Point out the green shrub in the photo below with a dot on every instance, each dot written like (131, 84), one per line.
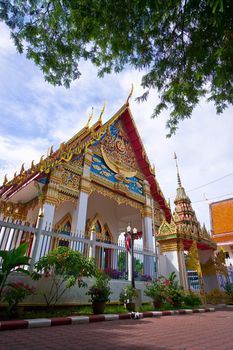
(100, 291)
(192, 299)
(14, 293)
(127, 294)
(216, 297)
(12, 261)
(229, 290)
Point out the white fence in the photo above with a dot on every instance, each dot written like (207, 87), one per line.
(111, 257)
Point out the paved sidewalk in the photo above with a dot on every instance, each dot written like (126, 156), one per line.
(61, 321)
(213, 330)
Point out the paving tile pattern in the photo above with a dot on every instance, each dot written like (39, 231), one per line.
(212, 330)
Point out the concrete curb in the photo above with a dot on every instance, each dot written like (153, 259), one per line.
(61, 321)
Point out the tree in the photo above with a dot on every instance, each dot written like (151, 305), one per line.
(65, 268)
(185, 46)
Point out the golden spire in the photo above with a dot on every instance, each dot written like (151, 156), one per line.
(22, 169)
(32, 167)
(177, 171)
(102, 112)
(130, 94)
(5, 180)
(14, 178)
(90, 118)
(62, 147)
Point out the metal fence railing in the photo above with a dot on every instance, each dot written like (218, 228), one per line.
(111, 257)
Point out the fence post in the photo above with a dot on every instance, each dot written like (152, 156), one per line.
(37, 240)
(92, 245)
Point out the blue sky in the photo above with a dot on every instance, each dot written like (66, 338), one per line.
(35, 115)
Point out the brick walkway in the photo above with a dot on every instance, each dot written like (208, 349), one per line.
(196, 331)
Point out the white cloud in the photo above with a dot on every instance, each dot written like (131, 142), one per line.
(36, 115)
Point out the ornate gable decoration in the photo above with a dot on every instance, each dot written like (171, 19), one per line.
(114, 160)
(167, 229)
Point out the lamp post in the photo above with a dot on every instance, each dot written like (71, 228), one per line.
(131, 233)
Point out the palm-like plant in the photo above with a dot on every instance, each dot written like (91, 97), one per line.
(12, 260)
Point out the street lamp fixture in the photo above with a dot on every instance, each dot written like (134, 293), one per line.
(131, 233)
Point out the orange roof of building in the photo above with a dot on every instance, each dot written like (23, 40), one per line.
(222, 216)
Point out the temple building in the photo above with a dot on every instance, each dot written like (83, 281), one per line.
(184, 239)
(89, 190)
(101, 179)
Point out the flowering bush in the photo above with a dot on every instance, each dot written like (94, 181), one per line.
(15, 293)
(114, 274)
(165, 291)
(158, 290)
(65, 268)
(100, 291)
(145, 278)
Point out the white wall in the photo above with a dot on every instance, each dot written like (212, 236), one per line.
(75, 295)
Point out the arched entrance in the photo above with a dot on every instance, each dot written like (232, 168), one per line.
(102, 233)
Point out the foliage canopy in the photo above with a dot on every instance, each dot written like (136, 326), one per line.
(185, 47)
(65, 267)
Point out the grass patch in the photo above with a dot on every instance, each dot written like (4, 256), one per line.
(83, 310)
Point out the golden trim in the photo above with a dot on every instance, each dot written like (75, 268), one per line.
(110, 185)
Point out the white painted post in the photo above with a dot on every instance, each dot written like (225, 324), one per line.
(48, 212)
(148, 232)
(37, 239)
(92, 246)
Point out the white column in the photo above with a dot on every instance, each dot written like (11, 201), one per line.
(80, 214)
(148, 232)
(174, 252)
(44, 241)
(129, 266)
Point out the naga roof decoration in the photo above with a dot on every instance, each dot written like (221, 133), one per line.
(90, 137)
(184, 223)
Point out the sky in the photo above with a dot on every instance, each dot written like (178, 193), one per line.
(35, 115)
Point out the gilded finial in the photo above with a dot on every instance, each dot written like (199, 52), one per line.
(5, 180)
(90, 118)
(51, 151)
(130, 94)
(102, 112)
(32, 166)
(153, 169)
(41, 159)
(169, 203)
(62, 147)
(14, 178)
(22, 169)
(177, 171)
